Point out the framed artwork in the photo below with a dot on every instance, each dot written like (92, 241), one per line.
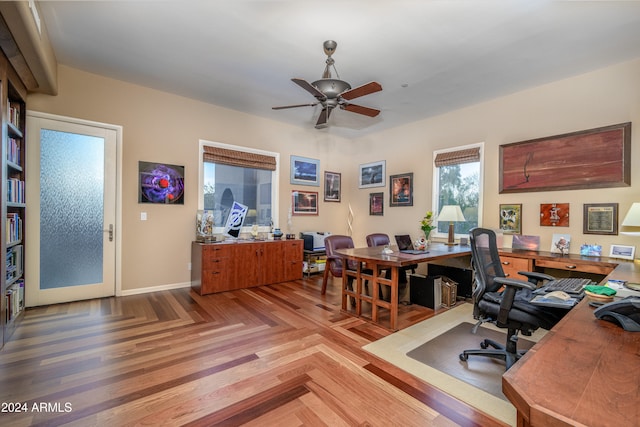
(591, 250)
(511, 218)
(304, 202)
(332, 186)
(160, 183)
(560, 162)
(372, 174)
(401, 190)
(600, 218)
(560, 243)
(623, 252)
(554, 214)
(305, 171)
(376, 204)
(527, 243)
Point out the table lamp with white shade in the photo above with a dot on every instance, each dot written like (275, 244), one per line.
(632, 221)
(451, 213)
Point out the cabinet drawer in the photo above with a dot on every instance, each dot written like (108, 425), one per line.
(512, 265)
(570, 265)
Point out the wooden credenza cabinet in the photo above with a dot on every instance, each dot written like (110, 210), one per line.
(219, 267)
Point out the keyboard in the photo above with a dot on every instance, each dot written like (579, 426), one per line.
(570, 285)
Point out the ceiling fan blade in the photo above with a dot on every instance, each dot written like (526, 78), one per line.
(363, 90)
(310, 88)
(294, 106)
(323, 120)
(361, 110)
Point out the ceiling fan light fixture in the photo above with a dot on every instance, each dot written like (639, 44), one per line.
(332, 93)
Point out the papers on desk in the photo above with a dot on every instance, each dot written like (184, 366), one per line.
(544, 301)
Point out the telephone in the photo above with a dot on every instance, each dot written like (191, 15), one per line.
(625, 312)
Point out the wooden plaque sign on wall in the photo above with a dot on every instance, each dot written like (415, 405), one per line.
(595, 158)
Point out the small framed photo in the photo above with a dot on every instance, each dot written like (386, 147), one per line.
(401, 190)
(305, 171)
(511, 219)
(623, 252)
(376, 204)
(332, 186)
(600, 218)
(304, 202)
(372, 174)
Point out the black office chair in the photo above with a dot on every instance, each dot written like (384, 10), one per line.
(504, 301)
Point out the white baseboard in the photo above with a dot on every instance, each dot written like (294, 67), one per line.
(137, 291)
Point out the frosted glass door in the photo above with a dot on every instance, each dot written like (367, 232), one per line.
(76, 210)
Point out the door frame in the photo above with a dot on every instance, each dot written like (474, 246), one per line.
(118, 201)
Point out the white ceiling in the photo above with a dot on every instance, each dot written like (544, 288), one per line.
(430, 56)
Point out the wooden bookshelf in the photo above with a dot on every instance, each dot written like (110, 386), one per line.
(13, 207)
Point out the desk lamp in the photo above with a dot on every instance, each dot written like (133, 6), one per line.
(451, 213)
(632, 219)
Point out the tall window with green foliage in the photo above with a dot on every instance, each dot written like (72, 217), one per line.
(458, 181)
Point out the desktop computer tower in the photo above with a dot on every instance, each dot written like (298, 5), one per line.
(425, 290)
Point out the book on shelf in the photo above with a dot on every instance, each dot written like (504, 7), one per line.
(15, 190)
(13, 150)
(13, 228)
(14, 113)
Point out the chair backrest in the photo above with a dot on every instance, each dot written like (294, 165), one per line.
(331, 243)
(377, 239)
(485, 260)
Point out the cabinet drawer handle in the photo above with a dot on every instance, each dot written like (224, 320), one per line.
(505, 263)
(506, 275)
(571, 267)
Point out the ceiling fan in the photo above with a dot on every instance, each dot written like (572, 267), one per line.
(332, 93)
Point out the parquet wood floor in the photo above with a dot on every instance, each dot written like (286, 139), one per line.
(277, 355)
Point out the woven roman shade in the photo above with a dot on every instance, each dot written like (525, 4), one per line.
(238, 158)
(449, 158)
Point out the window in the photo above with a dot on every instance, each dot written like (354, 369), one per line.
(457, 180)
(231, 173)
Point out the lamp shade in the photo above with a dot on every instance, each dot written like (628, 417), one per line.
(633, 216)
(451, 213)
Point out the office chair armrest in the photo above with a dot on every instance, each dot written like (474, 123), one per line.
(515, 283)
(535, 278)
(508, 296)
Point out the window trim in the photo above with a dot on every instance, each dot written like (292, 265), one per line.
(436, 183)
(275, 182)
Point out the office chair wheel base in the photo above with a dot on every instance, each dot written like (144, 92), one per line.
(463, 357)
(483, 345)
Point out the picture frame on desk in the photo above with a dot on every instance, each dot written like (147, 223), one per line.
(600, 218)
(622, 252)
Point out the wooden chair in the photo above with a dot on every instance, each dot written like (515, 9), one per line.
(334, 262)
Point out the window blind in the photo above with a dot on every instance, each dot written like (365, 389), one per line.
(238, 158)
(449, 158)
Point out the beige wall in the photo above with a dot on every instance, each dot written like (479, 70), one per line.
(166, 128)
(605, 97)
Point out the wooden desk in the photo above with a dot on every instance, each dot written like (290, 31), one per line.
(375, 260)
(583, 372)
